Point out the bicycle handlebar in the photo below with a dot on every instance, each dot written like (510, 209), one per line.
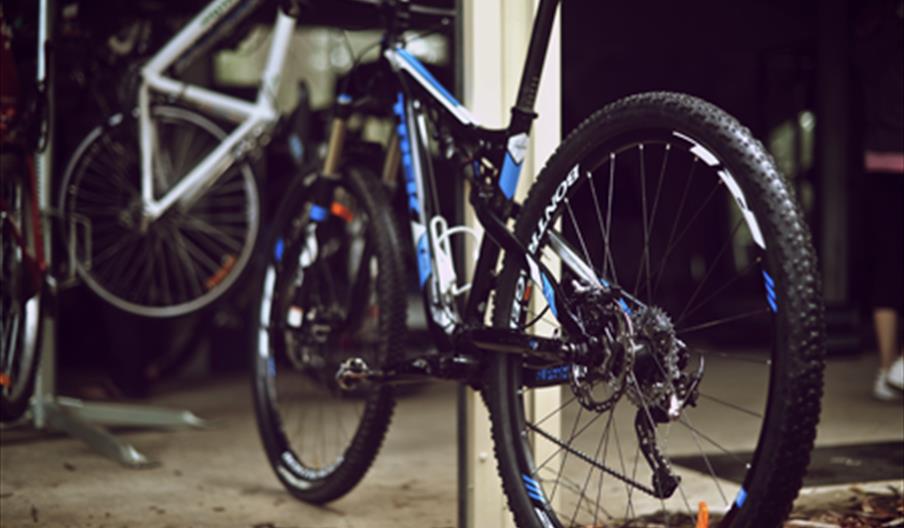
(415, 8)
(395, 5)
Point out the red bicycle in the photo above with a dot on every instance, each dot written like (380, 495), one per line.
(22, 258)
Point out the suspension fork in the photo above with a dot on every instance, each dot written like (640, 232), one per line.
(325, 185)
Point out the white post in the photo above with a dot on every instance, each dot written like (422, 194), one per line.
(495, 39)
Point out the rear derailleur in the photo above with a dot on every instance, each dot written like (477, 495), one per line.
(637, 355)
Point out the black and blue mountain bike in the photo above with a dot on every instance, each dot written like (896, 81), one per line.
(659, 283)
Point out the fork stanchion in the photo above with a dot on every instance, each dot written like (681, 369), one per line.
(49, 410)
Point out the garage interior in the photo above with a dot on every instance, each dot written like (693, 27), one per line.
(788, 70)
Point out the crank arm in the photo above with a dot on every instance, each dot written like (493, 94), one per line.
(354, 372)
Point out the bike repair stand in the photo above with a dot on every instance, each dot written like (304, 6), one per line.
(69, 415)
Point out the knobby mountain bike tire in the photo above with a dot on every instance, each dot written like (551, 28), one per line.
(319, 306)
(185, 259)
(21, 290)
(673, 201)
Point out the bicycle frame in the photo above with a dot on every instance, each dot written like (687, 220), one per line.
(493, 204)
(492, 197)
(254, 120)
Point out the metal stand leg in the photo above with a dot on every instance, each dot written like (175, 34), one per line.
(78, 418)
(48, 410)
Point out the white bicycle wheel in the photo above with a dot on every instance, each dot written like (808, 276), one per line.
(185, 259)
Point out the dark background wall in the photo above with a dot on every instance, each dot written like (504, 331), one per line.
(778, 66)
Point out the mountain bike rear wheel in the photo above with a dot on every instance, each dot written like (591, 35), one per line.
(333, 290)
(712, 391)
(180, 262)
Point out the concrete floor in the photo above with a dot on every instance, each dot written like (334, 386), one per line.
(219, 477)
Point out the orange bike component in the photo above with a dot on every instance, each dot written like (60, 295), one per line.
(702, 515)
(5, 380)
(216, 278)
(341, 211)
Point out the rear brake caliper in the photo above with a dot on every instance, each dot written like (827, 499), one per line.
(601, 379)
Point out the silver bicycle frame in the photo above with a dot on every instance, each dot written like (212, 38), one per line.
(254, 119)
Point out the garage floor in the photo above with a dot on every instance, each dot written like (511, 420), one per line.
(219, 476)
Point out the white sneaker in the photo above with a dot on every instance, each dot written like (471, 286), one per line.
(882, 390)
(895, 376)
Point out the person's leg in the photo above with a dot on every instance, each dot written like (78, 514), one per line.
(887, 262)
(891, 349)
(885, 323)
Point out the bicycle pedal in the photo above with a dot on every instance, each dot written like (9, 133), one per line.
(353, 372)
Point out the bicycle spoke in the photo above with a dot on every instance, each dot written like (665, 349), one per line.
(562, 447)
(731, 405)
(193, 151)
(712, 473)
(645, 256)
(180, 282)
(684, 421)
(565, 456)
(622, 466)
(164, 173)
(671, 247)
(193, 275)
(185, 269)
(558, 410)
(602, 475)
(578, 454)
(96, 197)
(709, 272)
(577, 230)
(229, 184)
(676, 222)
(649, 226)
(117, 196)
(115, 250)
(725, 320)
(147, 280)
(119, 165)
(734, 357)
(177, 149)
(200, 256)
(646, 411)
(166, 290)
(741, 275)
(608, 260)
(596, 455)
(217, 234)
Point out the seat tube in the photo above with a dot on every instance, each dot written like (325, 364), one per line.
(523, 112)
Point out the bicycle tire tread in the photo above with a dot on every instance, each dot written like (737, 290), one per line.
(793, 433)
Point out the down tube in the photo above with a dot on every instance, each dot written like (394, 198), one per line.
(414, 186)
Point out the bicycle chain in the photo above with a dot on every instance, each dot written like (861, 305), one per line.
(586, 458)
